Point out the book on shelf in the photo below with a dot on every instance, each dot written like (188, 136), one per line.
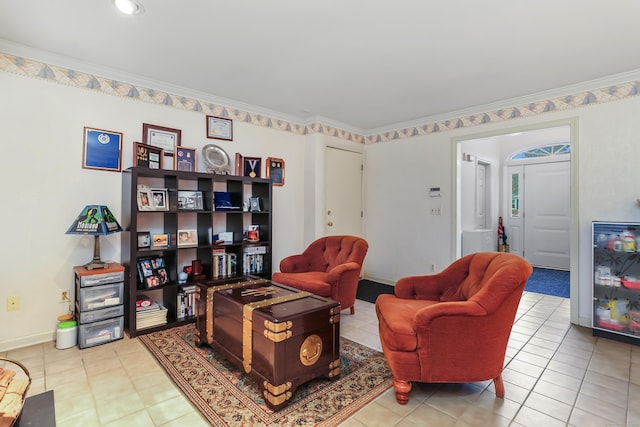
(149, 318)
(186, 302)
(224, 264)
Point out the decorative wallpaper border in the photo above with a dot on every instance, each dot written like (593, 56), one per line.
(31, 68)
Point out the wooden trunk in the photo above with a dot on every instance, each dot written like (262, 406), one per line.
(281, 336)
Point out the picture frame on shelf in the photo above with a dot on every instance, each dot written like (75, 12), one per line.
(253, 233)
(187, 238)
(144, 240)
(190, 200)
(102, 150)
(159, 198)
(252, 167)
(144, 199)
(152, 272)
(254, 204)
(219, 128)
(185, 159)
(160, 241)
(161, 137)
(275, 171)
(147, 156)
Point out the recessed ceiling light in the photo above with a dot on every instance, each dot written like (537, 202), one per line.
(129, 7)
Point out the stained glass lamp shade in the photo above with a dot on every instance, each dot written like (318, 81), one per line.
(95, 220)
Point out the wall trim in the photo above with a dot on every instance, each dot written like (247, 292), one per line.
(552, 101)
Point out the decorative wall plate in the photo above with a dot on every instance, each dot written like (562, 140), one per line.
(216, 158)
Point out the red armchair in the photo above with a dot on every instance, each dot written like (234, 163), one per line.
(452, 326)
(329, 267)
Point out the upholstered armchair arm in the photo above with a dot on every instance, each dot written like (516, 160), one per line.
(295, 264)
(348, 272)
(336, 272)
(427, 315)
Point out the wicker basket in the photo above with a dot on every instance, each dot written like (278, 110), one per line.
(14, 384)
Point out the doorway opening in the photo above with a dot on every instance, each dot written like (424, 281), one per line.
(496, 147)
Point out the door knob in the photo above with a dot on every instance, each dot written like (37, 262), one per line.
(330, 224)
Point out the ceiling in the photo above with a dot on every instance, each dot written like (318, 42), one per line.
(364, 64)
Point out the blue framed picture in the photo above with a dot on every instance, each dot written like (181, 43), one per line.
(102, 150)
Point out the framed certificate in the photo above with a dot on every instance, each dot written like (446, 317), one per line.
(219, 128)
(161, 137)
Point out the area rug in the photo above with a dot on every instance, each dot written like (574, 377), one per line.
(226, 396)
(549, 282)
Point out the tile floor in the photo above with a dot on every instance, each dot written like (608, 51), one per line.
(555, 374)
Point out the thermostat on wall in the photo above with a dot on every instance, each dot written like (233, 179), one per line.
(434, 192)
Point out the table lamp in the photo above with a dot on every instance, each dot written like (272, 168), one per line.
(95, 220)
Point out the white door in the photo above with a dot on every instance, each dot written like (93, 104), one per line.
(343, 188)
(547, 188)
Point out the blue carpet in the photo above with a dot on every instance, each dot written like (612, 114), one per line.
(549, 282)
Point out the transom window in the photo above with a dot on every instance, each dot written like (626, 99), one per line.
(544, 151)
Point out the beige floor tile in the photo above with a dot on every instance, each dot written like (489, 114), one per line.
(376, 415)
(531, 418)
(170, 410)
(615, 414)
(554, 391)
(118, 406)
(581, 418)
(548, 406)
(86, 417)
(138, 419)
(434, 416)
(194, 419)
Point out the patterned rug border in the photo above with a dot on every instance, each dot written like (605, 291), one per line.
(259, 412)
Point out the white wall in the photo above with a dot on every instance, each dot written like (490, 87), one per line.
(405, 240)
(45, 187)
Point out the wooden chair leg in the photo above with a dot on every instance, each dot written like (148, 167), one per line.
(402, 391)
(499, 385)
(353, 309)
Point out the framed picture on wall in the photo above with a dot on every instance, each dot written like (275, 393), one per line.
(219, 128)
(252, 166)
(185, 159)
(275, 170)
(102, 149)
(147, 156)
(161, 137)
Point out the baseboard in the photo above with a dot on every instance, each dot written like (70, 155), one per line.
(27, 341)
(379, 280)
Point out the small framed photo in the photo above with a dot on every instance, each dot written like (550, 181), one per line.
(144, 240)
(254, 204)
(147, 156)
(102, 150)
(275, 170)
(190, 200)
(187, 238)
(161, 137)
(252, 166)
(144, 199)
(160, 240)
(219, 128)
(185, 159)
(152, 272)
(159, 199)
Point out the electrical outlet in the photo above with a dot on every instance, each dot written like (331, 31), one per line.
(13, 303)
(435, 211)
(433, 267)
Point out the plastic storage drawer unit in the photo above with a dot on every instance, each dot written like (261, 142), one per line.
(100, 332)
(101, 314)
(95, 297)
